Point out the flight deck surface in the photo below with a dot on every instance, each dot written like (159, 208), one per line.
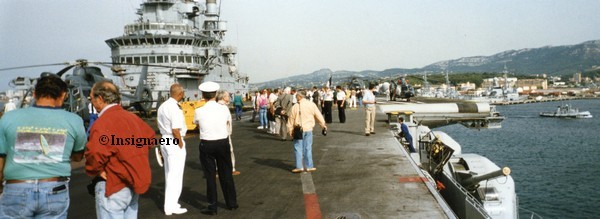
(357, 176)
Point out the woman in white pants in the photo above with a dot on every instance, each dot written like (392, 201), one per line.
(223, 98)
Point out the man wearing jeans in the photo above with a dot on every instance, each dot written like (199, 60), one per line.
(37, 145)
(238, 104)
(304, 114)
(122, 170)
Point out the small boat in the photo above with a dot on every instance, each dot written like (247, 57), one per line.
(566, 111)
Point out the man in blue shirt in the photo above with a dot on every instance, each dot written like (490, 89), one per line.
(407, 135)
(37, 145)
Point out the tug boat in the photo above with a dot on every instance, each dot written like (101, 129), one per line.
(566, 111)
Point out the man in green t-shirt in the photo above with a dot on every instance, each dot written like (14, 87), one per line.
(37, 145)
(238, 104)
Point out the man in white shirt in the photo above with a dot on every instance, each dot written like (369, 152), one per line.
(171, 124)
(212, 119)
(341, 104)
(370, 110)
(327, 104)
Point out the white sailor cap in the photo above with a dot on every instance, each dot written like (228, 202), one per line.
(209, 86)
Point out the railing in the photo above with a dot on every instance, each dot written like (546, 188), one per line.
(133, 28)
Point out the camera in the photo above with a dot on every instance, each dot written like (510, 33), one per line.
(92, 186)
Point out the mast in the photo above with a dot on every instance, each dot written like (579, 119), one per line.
(505, 87)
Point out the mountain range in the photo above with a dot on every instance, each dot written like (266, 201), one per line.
(550, 60)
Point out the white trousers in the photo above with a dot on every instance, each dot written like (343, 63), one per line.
(275, 126)
(174, 163)
(353, 101)
(232, 156)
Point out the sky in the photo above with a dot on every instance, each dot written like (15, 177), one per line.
(281, 38)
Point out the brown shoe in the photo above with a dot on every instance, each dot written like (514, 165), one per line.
(297, 170)
(235, 173)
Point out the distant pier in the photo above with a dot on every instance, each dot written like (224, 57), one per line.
(545, 99)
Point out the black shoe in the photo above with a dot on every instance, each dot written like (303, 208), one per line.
(208, 211)
(233, 207)
(372, 133)
(367, 134)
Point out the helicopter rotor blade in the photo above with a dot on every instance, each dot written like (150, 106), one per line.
(83, 62)
(33, 66)
(105, 64)
(61, 72)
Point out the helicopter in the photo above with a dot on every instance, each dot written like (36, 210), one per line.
(357, 83)
(80, 82)
(401, 89)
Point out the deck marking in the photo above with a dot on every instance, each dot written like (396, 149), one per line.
(311, 200)
(412, 179)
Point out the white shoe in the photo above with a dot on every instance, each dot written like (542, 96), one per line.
(260, 127)
(175, 211)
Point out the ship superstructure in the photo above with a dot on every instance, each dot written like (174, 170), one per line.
(177, 33)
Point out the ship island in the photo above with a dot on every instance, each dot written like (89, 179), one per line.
(185, 35)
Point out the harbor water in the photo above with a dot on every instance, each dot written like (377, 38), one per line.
(555, 162)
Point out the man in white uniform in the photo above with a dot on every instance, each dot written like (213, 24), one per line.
(171, 124)
(213, 119)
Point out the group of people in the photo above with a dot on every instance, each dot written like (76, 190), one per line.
(279, 110)
(38, 143)
(267, 104)
(36, 148)
(271, 104)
